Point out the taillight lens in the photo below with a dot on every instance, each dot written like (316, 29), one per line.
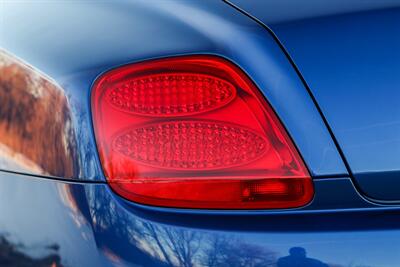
(194, 132)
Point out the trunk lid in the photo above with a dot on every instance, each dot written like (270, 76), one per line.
(350, 59)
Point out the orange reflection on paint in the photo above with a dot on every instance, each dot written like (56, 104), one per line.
(35, 123)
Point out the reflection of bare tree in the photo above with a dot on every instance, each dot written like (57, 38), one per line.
(214, 256)
(12, 255)
(222, 252)
(178, 248)
(147, 243)
(169, 245)
(187, 248)
(158, 243)
(184, 245)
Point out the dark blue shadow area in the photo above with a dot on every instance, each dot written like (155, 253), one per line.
(298, 258)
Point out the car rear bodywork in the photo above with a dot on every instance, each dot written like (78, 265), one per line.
(59, 209)
(351, 63)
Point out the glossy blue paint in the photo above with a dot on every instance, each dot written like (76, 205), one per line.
(349, 56)
(273, 12)
(85, 224)
(100, 36)
(352, 64)
(91, 226)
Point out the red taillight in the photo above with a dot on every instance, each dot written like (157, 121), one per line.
(194, 132)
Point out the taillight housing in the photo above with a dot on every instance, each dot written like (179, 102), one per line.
(194, 132)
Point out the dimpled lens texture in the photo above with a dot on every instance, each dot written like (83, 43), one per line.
(191, 145)
(194, 132)
(171, 94)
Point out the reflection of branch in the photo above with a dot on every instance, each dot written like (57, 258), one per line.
(188, 248)
(178, 247)
(227, 252)
(184, 244)
(172, 246)
(154, 235)
(212, 256)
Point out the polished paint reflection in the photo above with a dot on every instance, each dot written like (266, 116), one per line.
(87, 225)
(36, 134)
(41, 222)
(125, 237)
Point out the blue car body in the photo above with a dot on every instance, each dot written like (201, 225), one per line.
(330, 73)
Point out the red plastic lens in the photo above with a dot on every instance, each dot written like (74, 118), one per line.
(194, 132)
(191, 145)
(171, 94)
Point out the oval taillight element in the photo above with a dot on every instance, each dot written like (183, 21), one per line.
(191, 145)
(194, 132)
(171, 94)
